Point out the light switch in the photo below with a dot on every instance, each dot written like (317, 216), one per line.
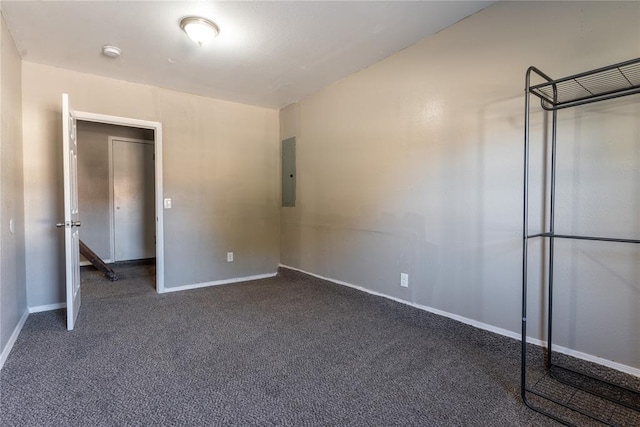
(167, 203)
(404, 280)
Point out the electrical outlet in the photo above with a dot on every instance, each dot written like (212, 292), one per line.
(404, 280)
(229, 256)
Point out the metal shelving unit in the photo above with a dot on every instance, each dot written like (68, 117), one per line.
(601, 84)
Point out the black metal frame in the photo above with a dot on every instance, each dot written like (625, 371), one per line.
(601, 84)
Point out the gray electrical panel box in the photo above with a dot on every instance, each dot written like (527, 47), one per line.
(289, 173)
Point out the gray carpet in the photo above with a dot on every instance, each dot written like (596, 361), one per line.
(288, 351)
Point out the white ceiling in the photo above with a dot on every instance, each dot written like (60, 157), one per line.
(267, 54)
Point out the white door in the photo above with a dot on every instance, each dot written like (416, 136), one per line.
(71, 216)
(133, 199)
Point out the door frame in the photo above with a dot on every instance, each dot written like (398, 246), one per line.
(157, 150)
(112, 221)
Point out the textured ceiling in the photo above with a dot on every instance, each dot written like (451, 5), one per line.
(268, 53)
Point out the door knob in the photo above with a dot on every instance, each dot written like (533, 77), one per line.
(70, 224)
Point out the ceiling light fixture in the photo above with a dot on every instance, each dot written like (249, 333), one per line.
(200, 30)
(111, 51)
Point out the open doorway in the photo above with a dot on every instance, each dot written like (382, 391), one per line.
(119, 186)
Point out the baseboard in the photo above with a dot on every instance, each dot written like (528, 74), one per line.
(48, 307)
(218, 282)
(12, 339)
(485, 326)
(586, 356)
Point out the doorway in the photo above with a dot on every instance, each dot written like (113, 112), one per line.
(132, 200)
(120, 188)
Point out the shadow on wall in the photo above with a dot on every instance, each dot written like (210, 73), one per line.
(496, 203)
(538, 222)
(596, 284)
(598, 174)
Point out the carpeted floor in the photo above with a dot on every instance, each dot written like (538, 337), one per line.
(287, 351)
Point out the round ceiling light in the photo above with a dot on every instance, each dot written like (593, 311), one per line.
(111, 51)
(200, 30)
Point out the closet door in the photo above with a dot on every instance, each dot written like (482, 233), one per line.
(133, 200)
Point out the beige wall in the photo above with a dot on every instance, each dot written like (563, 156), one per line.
(13, 299)
(93, 181)
(220, 168)
(415, 165)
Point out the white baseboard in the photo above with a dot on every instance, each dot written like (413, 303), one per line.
(219, 282)
(511, 334)
(48, 307)
(12, 339)
(586, 356)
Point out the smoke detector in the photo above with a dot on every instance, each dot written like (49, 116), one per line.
(111, 51)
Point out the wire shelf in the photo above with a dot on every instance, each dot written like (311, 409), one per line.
(604, 83)
(565, 393)
(594, 401)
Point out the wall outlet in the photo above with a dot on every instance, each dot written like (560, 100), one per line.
(404, 280)
(229, 256)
